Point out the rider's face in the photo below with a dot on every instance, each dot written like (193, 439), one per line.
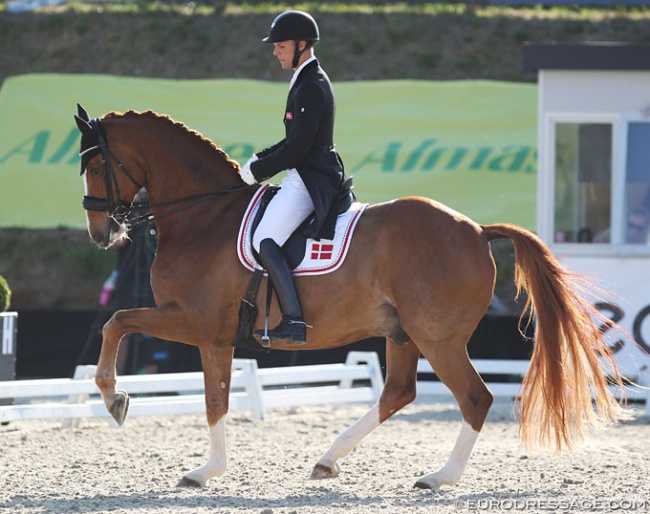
(284, 51)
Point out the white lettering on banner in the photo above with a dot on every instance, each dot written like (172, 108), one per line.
(7, 335)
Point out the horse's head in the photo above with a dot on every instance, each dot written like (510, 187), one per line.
(109, 185)
(123, 152)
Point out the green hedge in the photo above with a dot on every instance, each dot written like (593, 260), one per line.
(5, 295)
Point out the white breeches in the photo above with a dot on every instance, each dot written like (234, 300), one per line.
(286, 211)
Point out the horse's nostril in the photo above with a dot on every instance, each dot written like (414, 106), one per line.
(100, 238)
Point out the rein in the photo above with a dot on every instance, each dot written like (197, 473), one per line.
(145, 219)
(120, 210)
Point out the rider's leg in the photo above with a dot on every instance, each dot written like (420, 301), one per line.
(288, 209)
(292, 327)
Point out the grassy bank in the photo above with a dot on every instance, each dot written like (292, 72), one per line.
(358, 41)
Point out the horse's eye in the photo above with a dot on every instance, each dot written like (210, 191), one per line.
(94, 171)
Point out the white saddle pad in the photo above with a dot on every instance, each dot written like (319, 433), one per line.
(321, 257)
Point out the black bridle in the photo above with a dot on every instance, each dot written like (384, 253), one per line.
(120, 210)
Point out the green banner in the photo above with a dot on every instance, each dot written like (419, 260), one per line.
(468, 144)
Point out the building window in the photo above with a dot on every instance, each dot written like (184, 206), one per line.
(637, 184)
(583, 182)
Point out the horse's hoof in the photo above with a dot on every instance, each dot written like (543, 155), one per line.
(421, 484)
(119, 407)
(322, 471)
(188, 482)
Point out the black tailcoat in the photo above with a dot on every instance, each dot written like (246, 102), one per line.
(308, 146)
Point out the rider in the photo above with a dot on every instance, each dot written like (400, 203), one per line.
(315, 176)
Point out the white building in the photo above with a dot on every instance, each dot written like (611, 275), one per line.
(594, 175)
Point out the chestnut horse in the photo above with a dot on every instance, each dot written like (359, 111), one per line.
(417, 272)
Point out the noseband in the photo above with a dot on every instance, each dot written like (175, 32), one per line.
(120, 210)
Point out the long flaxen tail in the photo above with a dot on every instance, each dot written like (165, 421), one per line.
(565, 392)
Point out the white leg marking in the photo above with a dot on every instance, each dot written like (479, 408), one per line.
(216, 465)
(346, 441)
(451, 472)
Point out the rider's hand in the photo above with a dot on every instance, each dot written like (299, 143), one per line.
(246, 173)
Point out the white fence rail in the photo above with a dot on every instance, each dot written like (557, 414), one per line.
(252, 389)
(515, 370)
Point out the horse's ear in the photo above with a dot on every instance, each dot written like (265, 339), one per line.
(84, 126)
(81, 112)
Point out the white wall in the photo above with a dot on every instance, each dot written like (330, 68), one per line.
(595, 91)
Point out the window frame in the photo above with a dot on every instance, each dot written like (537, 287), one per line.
(546, 183)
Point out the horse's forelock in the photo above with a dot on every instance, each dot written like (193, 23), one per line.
(177, 124)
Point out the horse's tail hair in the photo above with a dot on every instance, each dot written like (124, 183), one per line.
(565, 372)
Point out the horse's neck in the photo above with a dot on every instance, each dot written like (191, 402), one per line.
(171, 178)
(187, 169)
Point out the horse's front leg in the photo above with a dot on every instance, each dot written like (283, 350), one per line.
(217, 362)
(166, 324)
(117, 402)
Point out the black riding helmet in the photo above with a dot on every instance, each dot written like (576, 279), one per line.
(296, 26)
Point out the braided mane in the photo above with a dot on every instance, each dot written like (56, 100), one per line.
(177, 125)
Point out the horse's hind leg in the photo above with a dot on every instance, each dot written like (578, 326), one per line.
(399, 391)
(452, 365)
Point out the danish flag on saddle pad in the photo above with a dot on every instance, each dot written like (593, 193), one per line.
(320, 251)
(321, 257)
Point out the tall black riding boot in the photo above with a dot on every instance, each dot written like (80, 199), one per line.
(292, 328)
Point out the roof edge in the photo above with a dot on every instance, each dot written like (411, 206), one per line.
(597, 55)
